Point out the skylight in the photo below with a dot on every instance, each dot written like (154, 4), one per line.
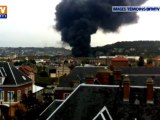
(2, 72)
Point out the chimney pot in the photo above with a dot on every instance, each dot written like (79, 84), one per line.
(150, 91)
(104, 76)
(126, 89)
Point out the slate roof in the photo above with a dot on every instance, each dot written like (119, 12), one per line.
(141, 80)
(12, 75)
(50, 109)
(79, 73)
(140, 70)
(137, 75)
(87, 100)
(103, 114)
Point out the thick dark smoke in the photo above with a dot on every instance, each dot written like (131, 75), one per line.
(79, 19)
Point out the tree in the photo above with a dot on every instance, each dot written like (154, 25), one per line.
(31, 61)
(149, 62)
(141, 61)
(43, 74)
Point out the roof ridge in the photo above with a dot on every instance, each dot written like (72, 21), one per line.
(64, 102)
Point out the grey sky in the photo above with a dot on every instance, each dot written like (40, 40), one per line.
(30, 22)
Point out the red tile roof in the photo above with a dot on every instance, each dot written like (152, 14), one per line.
(120, 58)
(26, 69)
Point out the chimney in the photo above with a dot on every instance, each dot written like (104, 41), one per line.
(103, 76)
(89, 80)
(117, 75)
(150, 91)
(126, 89)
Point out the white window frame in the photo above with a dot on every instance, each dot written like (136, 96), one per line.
(65, 95)
(10, 96)
(1, 95)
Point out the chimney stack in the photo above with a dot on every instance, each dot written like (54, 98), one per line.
(126, 89)
(150, 91)
(117, 75)
(104, 76)
(89, 80)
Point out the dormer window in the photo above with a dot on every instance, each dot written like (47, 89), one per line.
(2, 80)
(2, 75)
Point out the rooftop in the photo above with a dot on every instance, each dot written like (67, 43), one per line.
(12, 76)
(137, 75)
(49, 110)
(86, 101)
(120, 58)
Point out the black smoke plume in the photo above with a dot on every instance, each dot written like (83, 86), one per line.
(79, 19)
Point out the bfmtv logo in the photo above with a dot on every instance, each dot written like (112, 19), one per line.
(3, 11)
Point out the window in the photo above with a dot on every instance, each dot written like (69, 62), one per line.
(26, 91)
(18, 95)
(103, 115)
(52, 75)
(2, 75)
(10, 96)
(1, 80)
(65, 95)
(1, 95)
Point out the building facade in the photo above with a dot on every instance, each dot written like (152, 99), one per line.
(13, 84)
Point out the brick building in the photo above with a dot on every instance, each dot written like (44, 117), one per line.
(119, 61)
(13, 83)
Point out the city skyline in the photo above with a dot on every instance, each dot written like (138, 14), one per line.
(30, 24)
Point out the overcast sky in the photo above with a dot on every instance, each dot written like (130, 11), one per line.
(29, 24)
